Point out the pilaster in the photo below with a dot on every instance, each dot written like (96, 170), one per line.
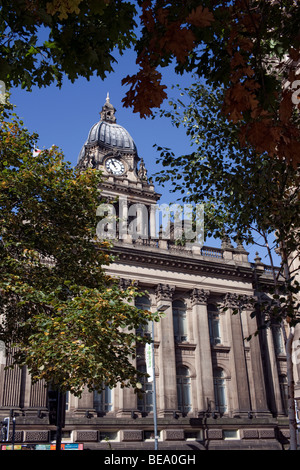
(203, 360)
(126, 399)
(167, 390)
(239, 367)
(255, 366)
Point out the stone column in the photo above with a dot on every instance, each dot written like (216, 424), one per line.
(85, 402)
(167, 389)
(2, 369)
(26, 389)
(203, 360)
(239, 363)
(12, 379)
(152, 231)
(255, 368)
(127, 399)
(275, 399)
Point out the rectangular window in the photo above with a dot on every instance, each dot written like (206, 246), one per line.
(231, 434)
(179, 321)
(214, 328)
(108, 435)
(193, 435)
(149, 435)
(65, 436)
(103, 402)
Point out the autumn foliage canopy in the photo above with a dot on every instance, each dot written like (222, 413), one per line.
(249, 47)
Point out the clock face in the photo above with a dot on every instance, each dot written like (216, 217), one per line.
(115, 166)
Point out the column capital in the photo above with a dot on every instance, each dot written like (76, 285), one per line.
(125, 283)
(164, 292)
(123, 200)
(199, 296)
(236, 301)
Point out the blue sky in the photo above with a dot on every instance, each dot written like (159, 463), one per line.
(63, 117)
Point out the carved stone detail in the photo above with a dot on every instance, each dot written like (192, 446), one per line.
(164, 292)
(250, 434)
(235, 301)
(37, 436)
(267, 434)
(125, 283)
(174, 434)
(199, 296)
(215, 434)
(87, 436)
(18, 436)
(132, 435)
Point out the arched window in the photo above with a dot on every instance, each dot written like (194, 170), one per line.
(214, 324)
(103, 401)
(184, 397)
(145, 401)
(179, 321)
(220, 390)
(143, 303)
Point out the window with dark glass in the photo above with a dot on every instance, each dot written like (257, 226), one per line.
(145, 400)
(278, 340)
(179, 321)
(220, 391)
(214, 324)
(103, 401)
(143, 303)
(184, 397)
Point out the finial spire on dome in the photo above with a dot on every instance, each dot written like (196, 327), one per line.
(108, 111)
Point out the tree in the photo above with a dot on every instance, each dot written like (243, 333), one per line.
(62, 316)
(245, 193)
(41, 41)
(251, 47)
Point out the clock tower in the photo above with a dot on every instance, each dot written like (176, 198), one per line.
(110, 148)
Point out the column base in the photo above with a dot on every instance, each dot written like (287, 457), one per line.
(128, 414)
(169, 414)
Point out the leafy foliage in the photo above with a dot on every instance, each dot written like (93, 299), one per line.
(242, 190)
(251, 47)
(245, 193)
(43, 40)
(62, 315)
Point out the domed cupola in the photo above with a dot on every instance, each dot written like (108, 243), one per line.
(108, 135)
(111, 149)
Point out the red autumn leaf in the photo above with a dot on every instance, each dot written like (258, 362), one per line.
(178, 41)
(294, 54)
(200, 17)
(146, 91)
(286, 107)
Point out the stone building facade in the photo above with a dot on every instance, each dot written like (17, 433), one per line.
(214, 389)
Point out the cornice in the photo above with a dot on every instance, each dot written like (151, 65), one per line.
(129, 190)
(171, 262)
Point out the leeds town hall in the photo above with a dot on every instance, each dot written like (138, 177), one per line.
(213, 389)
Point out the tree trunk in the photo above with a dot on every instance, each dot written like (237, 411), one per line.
(291, 391)
(289, 354)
